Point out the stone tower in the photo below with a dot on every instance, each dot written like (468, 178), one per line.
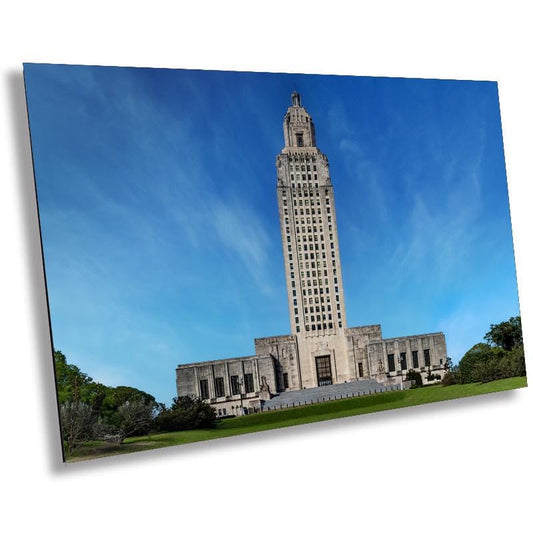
(311, 246)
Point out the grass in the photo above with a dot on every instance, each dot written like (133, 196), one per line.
(298, 415)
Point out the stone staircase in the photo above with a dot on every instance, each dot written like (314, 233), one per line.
(326, 393)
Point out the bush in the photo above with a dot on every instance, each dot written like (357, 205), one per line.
(486, 371)
(186, 412)
(451, 378)
(135, 418)
(415, 376)
(518, 361)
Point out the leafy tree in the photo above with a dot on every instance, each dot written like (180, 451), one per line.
(487, 370)
(501, 357)
(90, 409)
(518, 361)
(115, 397)
(449, 366)
(480, 354)
(506, 335)
(71, 382)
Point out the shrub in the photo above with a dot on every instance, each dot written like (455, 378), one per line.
(186, 412)
(415, 376)
(135, 418)
(451, 378)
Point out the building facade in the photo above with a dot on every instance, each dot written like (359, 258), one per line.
(320, 350)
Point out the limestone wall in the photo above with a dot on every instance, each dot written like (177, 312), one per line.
(423, 353)
(284, 350)
(357, 340)
(260, 367)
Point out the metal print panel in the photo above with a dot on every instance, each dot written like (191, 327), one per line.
(230, 252)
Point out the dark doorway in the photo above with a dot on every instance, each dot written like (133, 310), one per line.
(323, 370)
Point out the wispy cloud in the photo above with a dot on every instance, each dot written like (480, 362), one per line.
(363, 172)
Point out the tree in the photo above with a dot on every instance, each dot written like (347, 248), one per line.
(115, 397)
(135, 418)
(506, 335)
(501, 357)
(487, 370)
(517, 361)
(480, 354)
(449, 366)
(77, 420)
(75, 386)
(71, 382)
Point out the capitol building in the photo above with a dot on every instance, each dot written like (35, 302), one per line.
(321, 350)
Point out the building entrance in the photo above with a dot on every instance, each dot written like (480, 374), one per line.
(323, 370)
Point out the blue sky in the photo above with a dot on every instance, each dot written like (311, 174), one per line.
(160, 231)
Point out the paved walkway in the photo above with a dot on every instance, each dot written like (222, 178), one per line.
(324, 394)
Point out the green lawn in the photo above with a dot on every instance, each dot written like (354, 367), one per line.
(299, 415)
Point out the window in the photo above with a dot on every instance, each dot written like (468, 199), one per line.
(360, 365)
(414, 355)
(248, 383)
(235, 385)
(390, 358)
(403, 361)
(219, 387)
(285, 380)
(299, 139)
(204, 389)
(427, 361)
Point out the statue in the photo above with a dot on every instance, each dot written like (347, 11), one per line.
(264, 390)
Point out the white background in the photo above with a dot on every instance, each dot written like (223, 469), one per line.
(463, 465)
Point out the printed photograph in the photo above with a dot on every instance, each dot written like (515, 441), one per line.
(234, 252)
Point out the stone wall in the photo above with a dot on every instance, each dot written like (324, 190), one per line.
(284, 350)
(261, 368)
(358, 339)
(414, 349)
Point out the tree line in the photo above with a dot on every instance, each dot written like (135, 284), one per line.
(92, 411)
(500, 356)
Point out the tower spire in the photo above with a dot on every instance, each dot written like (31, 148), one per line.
(298, 128)
(295, 96)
